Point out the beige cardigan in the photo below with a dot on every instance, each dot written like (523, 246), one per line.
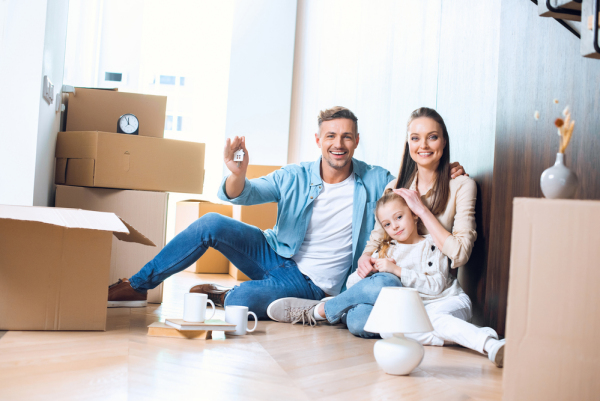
(458, 219)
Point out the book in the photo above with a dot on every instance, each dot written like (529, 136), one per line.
(213, 324)
(158, 329)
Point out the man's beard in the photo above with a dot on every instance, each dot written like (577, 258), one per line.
(336, 166)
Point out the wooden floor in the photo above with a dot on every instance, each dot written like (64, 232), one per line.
(277, 362)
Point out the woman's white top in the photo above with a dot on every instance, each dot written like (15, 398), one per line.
(424, 268)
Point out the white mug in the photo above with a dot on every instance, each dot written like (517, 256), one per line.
(194, 307)
(238, 315)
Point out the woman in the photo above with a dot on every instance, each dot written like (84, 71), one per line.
(446, 211)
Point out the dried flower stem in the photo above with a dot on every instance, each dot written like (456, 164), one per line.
(566, 131)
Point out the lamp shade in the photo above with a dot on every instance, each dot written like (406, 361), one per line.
(398, 310)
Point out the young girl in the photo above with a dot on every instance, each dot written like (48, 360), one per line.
(420, 264)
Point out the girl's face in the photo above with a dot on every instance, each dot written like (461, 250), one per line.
(426, 142)
(398, 221)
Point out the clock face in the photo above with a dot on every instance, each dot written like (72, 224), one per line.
(129, 123)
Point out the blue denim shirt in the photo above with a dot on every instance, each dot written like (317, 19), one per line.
(294, 187)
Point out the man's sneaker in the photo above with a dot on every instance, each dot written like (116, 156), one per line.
(496, 354)
(293, 310)
(215, 292)
(122, 295)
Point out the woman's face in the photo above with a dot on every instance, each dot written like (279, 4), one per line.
(426, 142)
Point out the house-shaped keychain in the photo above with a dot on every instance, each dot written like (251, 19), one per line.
(238, 157)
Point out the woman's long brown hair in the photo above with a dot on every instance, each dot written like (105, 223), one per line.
(408, 169)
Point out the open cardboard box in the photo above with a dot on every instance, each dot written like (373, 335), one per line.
(55, 265)
(146, 210)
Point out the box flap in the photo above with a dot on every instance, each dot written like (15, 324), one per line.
(70, 218)
(75, 218)
(133, 235)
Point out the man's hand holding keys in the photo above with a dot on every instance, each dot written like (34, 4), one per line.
(235, 182)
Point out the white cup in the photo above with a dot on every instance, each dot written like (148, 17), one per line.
(238, 315)
(194, 307)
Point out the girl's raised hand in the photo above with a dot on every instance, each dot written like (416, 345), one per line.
(413, 200)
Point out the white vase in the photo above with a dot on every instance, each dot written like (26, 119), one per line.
(398, 355)
(558, 182)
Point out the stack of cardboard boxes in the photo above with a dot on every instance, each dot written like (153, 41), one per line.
(129, 175)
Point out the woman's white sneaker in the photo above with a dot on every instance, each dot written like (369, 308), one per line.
(496, 353)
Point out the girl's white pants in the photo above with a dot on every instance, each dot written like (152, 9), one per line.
(450, 319)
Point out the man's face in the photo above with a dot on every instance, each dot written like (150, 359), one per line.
(337, 140)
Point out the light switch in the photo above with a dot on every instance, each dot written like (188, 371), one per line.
(48, 90)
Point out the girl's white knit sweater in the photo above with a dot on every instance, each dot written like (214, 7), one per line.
(424, 268)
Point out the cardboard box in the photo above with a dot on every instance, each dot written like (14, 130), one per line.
(147, 211)
(262, 216)
(188, 212)
(99, 110)
(553, 318)
(106, 160)
(55, 265)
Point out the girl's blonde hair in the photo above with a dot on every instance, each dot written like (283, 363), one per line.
(388, 196)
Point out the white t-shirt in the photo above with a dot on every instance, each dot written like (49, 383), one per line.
(326, 253)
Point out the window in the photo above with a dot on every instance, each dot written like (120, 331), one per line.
(181, 81)
(113, 76)
(167, 80)
(169, 126)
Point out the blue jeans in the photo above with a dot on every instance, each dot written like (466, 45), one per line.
(354, 305)
(273, 276)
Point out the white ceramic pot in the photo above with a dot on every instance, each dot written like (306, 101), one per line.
(558, 182)
(398, 355)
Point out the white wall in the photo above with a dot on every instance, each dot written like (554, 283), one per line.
(49, 119)
(21, 56)
(260, 78)
(84, 33)
(32, 44)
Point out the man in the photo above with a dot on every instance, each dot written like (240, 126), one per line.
(324, 218)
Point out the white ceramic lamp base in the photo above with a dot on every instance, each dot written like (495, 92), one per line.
(398, 355)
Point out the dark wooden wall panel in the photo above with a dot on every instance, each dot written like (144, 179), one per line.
(539, 62)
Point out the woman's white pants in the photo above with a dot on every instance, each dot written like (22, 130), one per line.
(450, 319)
